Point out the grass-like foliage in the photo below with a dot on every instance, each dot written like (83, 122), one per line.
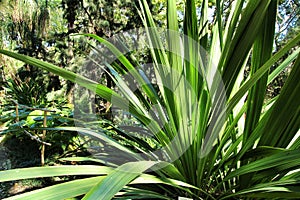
(219, 137)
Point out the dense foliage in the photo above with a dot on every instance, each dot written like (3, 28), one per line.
(193, 135)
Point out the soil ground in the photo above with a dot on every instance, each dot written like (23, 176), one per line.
(17, 154)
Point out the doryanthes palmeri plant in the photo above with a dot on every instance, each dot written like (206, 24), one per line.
(220, 137)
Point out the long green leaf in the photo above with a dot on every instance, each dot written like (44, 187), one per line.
(116, 180)
(290, 158)
(244, 37)
(260, 72)
(50, 171)
(284, 121)
(68, 75)
(279, 189)
(60, 191)
(262, 51)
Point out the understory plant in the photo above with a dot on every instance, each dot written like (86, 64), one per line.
(23, 123)
(214, 134)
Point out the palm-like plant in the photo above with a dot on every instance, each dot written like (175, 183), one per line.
(214, 151)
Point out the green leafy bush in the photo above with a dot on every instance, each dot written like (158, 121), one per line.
(250, 149)
(29, 125)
